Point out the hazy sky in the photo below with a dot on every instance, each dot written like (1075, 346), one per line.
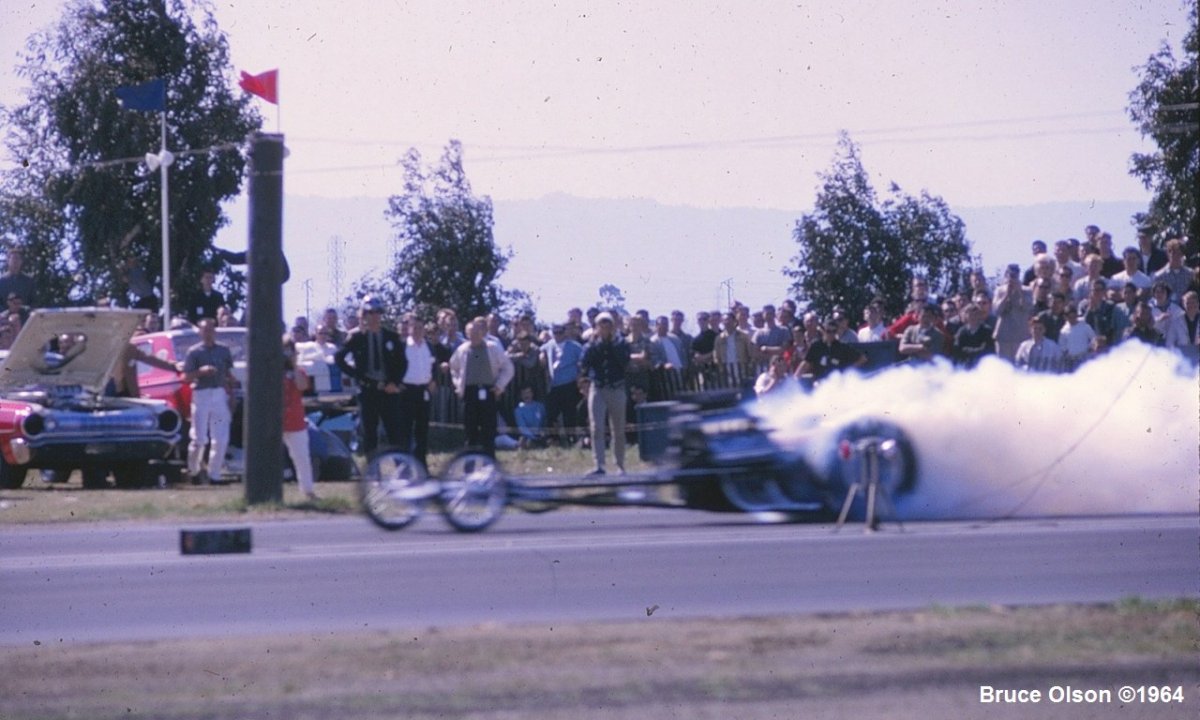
(701, 103)
(708, 104)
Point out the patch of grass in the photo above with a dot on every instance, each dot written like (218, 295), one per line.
(546, 462)
(953, 610)
(71, 503)
(40, 502)
(1058, 633)
(1136, 605)
(745, 668)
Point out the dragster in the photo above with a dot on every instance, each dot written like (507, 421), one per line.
(708, 451)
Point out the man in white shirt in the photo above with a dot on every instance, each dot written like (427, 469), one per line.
(1177, 277)
(417, 390)
(1132, 258)
(1077, 339)
(1168, 316)
(874, 330)
(1092, 265)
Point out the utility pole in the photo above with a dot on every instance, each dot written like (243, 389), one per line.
(263, 408)
(337, 247)
(727, 283)
(308, 288)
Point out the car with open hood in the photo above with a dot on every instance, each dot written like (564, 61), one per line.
(55, 413)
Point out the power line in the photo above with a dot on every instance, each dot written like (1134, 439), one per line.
(773, 143)
(516, 153)
(116, 162)
(737, 141)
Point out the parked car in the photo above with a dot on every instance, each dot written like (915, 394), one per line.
(54, 414)
(331, 459)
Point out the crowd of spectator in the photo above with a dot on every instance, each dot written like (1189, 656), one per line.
(1072, 302)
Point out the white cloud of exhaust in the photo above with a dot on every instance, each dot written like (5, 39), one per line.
(1121, 435)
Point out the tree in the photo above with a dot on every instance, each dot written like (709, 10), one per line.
(853, 248)
(611, 298)
(1164, 106)
(79, 199)
(447, 256)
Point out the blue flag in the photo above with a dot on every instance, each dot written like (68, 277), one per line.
(150, 96)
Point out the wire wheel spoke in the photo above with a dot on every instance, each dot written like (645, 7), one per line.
(395, 490)
(474, 492)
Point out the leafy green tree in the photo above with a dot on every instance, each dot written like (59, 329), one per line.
(611, 298)
(854, 247)
(1164, 106)
(78, 196)
(447, 256)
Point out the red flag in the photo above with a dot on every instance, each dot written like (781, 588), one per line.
(265, 85)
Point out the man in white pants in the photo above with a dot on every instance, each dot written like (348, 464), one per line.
(208, 366)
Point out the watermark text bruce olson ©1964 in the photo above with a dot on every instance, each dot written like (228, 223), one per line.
(1066, 694)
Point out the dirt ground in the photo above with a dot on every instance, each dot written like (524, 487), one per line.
(927, 664)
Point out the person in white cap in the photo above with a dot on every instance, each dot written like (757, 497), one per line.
(603, 368)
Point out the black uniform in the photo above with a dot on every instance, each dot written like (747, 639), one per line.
(372, 375)
(826, 358)
(202, 306)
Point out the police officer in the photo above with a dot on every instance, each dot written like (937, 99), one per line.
(374, 356)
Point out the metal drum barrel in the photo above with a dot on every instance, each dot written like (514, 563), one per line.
(653, 437)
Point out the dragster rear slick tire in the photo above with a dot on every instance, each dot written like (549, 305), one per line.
(897, 466)
(753, 493)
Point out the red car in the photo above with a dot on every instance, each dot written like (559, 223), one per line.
(331, 459)
(172, 345)
(55, 414)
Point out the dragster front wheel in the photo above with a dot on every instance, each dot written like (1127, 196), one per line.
(395, 489)
(474, 491)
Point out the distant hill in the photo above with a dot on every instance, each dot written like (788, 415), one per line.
(661, 256)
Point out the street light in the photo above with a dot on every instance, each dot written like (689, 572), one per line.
(161, 161)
